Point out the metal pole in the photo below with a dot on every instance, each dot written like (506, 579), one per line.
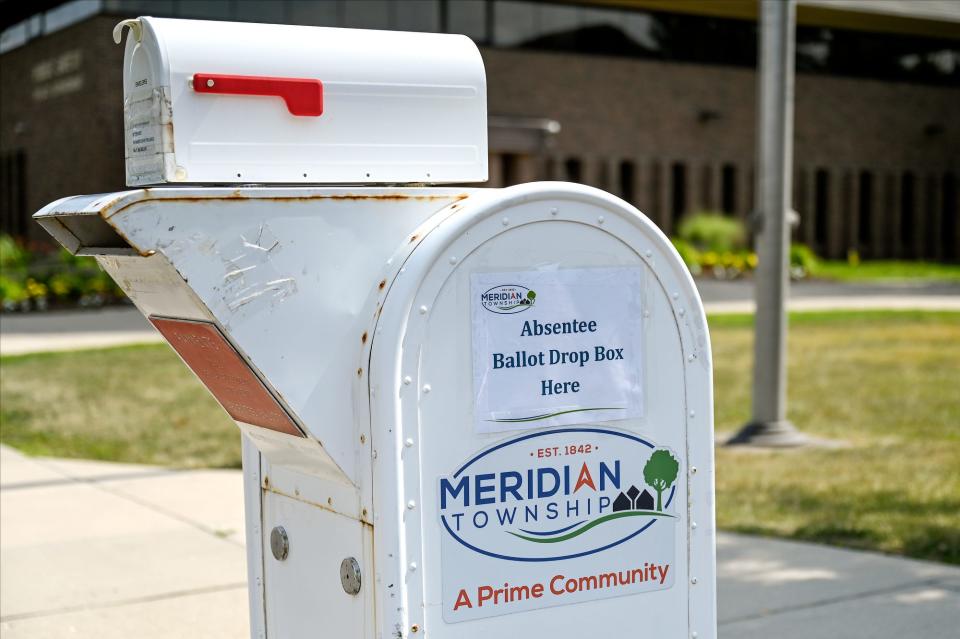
(769, 425)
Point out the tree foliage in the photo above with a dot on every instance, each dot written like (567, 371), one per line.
(660, 472)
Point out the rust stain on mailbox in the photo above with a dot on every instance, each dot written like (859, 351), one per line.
(225, 373)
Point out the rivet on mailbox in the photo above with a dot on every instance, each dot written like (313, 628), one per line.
(546, 483)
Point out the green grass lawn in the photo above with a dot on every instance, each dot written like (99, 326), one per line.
(885, 270)
(134, 404)
(884, 384)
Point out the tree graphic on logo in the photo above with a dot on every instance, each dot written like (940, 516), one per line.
(660, 473)
(531, 298)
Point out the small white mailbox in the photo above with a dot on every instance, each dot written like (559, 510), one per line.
(224, 102)
(466, 412)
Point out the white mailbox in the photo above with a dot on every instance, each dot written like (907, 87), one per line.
(223, 102)
(466, 412)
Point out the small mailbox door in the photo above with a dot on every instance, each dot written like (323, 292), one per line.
(553, 424)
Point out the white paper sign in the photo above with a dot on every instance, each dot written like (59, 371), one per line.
(556, 347)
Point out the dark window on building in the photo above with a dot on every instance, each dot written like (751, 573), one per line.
(678, 190)
(865, 210)
(204, 9)
(266, 12)
(514, 22)
(472, 18)
(508, 168)
(728, 189)
(323, 14)
(949, 218)
(574, 169)
(417, 15)
(821, 208)
(149, 7)
(628, 189)
(369, 14)
(516, 168)
(872, 54)
(597, 30)
(685, 37)
(13, 193)
(908, 218)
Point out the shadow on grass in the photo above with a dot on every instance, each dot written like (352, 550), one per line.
(941, 543)
(882, 520)
(43, 444)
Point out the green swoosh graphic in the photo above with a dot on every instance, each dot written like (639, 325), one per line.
(549, 415)
(592, 524)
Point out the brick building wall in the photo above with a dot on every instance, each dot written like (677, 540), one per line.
(875, 162)
(61, 111)
(681, 137)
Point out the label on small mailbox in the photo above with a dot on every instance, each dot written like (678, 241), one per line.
(147, 114)
(556, 517)
(555, 347)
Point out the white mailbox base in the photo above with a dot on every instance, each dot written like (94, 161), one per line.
(466, 413)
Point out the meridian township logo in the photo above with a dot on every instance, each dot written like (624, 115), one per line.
(507, 299)
(558, 494)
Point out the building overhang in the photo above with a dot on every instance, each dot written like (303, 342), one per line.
(519, 134)
(931, 18)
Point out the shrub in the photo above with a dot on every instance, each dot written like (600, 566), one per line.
(32, 279)
(13, 256)
(803, 261)
(708, 231)
(12, 292)
(731, 264)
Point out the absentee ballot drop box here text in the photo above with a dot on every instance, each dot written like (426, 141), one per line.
(466, 412)
(556, 346)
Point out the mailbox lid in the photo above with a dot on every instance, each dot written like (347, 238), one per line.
(300, 104)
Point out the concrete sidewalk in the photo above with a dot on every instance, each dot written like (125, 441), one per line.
(94, 549)
(74, 330)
